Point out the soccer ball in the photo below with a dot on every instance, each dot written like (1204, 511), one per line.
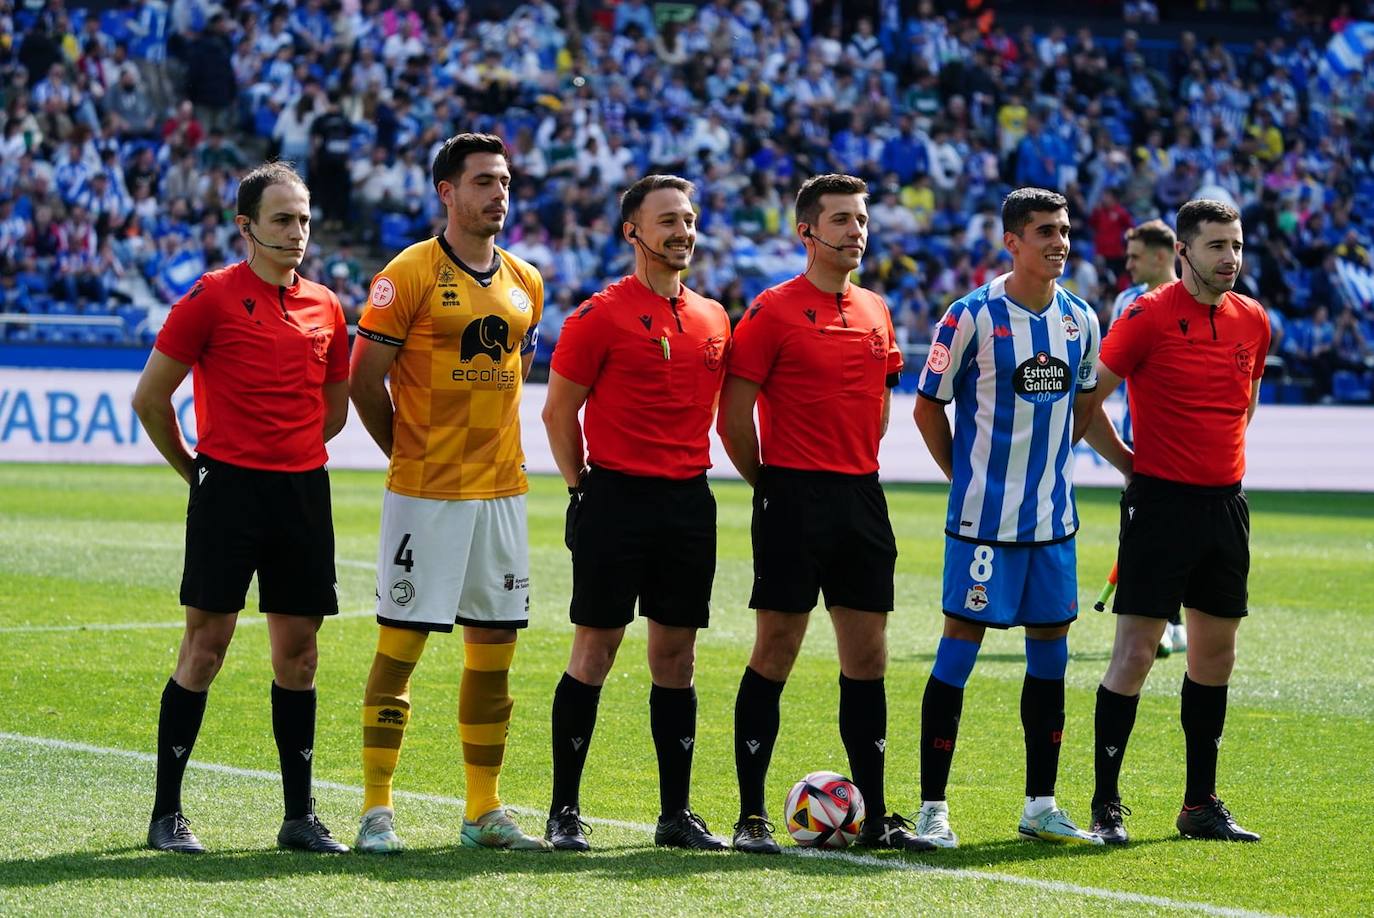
(824, 810)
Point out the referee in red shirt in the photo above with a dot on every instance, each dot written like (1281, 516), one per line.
(818, 355)
(270, 354)
(1193, 353)
(645, 356)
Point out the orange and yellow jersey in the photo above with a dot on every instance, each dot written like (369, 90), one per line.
(457, 380)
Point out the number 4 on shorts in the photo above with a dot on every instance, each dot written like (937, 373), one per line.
(404, 556)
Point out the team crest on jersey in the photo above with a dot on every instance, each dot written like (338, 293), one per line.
(383, 292)
(1245, 361)
(1070, 327)
(977, 598)
(711, 353)
(877, 344)
(1042, 379)
(446, 276)
(938, 361)
(319, 342)
(520, 299)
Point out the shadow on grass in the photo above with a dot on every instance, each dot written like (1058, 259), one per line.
(986, 657)
(450, 862)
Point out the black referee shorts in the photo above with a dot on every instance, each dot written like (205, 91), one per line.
(651, 540)
(278, 524)
(1182, 544)
(820, 533)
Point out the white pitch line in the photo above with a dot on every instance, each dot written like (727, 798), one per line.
(138, 626)
(864, 860)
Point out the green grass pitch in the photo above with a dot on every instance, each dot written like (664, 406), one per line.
(90, 559)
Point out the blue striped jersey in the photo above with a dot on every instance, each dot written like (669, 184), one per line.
(1012, 375)
(1124, 299)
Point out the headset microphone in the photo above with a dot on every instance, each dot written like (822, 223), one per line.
(266, 245)
(634, 234)
(1198, 276)
(814, 238)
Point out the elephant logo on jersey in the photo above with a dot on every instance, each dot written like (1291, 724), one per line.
(711, 353)
(1070, 327)
(977, 598)
(485, 335)
(1042, 379)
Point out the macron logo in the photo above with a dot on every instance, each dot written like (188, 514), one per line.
(307, 754)
(202, 473)
(881, 744)
(178, 751)
(753, 745)
(687, 743)
(1111, 751)
(577, 742)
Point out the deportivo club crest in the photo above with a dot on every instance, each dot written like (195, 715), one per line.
(977, 598)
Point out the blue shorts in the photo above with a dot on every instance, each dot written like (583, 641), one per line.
(1002, 586)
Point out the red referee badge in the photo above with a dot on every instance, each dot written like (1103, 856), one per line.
(383, 292)
(938, 361)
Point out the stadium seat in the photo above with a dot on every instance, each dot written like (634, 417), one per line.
(1350, 388)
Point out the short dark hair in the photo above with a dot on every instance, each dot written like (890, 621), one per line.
(252, 185)
(1018, 206)
(1153, 234)
(808, 206)
(452, 156)
(1192, 215)
(634, 196)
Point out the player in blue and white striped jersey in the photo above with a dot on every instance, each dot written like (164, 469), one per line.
(1016, 356)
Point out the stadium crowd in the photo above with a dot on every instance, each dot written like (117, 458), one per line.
(123, 131)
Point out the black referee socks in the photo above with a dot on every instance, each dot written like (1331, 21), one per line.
(863, 730)
(756, 730)
(573, 720)
(178, 725)
(673, 722)
(293, 727)
(1203, 715)
(1113, 721)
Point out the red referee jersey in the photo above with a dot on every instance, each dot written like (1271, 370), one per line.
(654, 366)
(1191, 368)
(822, 360)
(260, 354)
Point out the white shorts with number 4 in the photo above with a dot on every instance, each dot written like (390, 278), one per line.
(447, 562)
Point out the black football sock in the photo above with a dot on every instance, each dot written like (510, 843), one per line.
(863, 729)
(1042, 719)
(941, 707)
(1113, 720)
(178, 724)
(1203, 714)
(673, 722)
(574, 719)
(756, 730)
(293, 726)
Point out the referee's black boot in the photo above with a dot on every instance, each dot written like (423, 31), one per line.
(685, 829)
(1212, 821)
(754, 835)
(891, 831)
(307, 833)
(1108, 823)
(171, 832)
(566, 831)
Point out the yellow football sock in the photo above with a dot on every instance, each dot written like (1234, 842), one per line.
(386, 709)
(484, 706)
